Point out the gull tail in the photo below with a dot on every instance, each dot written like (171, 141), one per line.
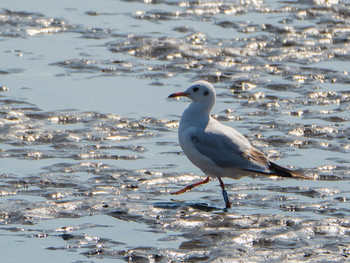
(284, 172)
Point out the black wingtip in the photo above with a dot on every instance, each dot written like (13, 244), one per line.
(284, 172)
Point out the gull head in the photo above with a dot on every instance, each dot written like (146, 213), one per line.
(201, 92)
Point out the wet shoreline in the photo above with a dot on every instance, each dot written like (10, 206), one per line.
(89, 149)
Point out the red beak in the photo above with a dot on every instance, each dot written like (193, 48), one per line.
(178, 94)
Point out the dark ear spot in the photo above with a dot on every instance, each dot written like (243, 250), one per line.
(206, 93)
(195, 89)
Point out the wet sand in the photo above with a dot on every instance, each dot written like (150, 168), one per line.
(89, 150)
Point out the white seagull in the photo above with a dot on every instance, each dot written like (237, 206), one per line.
(219, 150)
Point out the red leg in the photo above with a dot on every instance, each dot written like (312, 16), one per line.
(189, 187)
(224, 193)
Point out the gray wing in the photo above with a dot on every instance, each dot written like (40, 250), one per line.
(228, 148)
(221, 151)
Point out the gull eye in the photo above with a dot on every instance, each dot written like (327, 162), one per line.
(195, 89)
(206, 93)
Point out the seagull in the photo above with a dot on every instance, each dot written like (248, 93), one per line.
(216, 149)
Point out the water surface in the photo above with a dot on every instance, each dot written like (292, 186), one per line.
(89, 150)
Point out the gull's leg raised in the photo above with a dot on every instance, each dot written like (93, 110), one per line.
(224, 193)
(189, 187)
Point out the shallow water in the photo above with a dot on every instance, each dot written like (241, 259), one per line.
(89, 150)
